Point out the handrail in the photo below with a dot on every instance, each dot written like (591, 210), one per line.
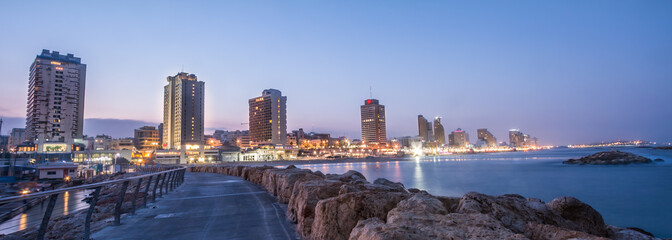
(174, 175)
(85, 186)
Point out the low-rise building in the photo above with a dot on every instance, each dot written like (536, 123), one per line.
(57, 170)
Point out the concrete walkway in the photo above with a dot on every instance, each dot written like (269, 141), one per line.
(207, 206)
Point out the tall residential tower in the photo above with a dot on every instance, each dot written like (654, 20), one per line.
(55, 100)
(183, 115)
(425, 129)
(373, 122)
(439, 132)
(487, 137)
(268, 118)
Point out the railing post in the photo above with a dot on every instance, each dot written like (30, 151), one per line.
(120, 201)
(135, 195)
(184, 172)
(156, 185)
(92, 205)
(47, 215)
(167, 185)
(163, 182)
(149, 183)
(172, 180)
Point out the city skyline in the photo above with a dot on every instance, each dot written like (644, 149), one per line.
(532, 81)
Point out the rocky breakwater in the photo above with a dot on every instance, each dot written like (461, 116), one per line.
(609, 158)
(347, 206)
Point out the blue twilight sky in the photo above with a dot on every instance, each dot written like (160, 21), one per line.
(564, 71)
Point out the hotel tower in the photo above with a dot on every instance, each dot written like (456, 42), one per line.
(55, 113)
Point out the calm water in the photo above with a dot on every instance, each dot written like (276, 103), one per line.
(67, 203)
(627, 196)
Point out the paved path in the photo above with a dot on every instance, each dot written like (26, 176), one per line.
(207, 206)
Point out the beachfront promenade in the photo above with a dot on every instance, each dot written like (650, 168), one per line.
(207, 206)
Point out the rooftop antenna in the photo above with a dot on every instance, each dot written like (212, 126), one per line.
(182, 68)
(370, 92)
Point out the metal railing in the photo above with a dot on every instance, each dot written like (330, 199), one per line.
(163, 179)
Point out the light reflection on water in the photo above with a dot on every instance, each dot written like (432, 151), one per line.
(629, 196)
(66, 198)
(66, 203)
(22, 221)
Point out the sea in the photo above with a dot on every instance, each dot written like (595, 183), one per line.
(635, 195)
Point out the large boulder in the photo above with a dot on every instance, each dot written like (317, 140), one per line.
(255, 174)
(618, 233)
(336, 217)
(425, 217)
(351, 176)
(305, 196)
(539, 231)
(583, 215)
(237, 171)
(380, 184)
(280, 182)
(513, 211)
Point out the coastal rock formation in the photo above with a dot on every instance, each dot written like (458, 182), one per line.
(609, 158)
(424, 217)
(581, 214)
(347, 206)
(304, 199)
(336, 217)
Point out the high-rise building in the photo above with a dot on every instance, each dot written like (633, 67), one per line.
(146, 138)
(516, 138)
(183, 112)
(424, 129)
(268, 118)
(487, 137)
(458, 138)
(16, 137)
(56, 100)
(373, 122)
(160, 129)
(439, 132)
(529, 141)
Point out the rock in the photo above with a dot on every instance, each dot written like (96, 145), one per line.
(304, 199)
(609, 158)
(618, 233)
(658, 160)
(255, 174)
(336, 217)
(583, 215)
(663, 148)
(380, 184)
(547, 232)
(395, 186)
(280, 182)
(450, 203)
(514, 211)
(424, 217)
(351, 176)
(237, 171)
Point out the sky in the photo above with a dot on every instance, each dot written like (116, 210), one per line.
(563, 71)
